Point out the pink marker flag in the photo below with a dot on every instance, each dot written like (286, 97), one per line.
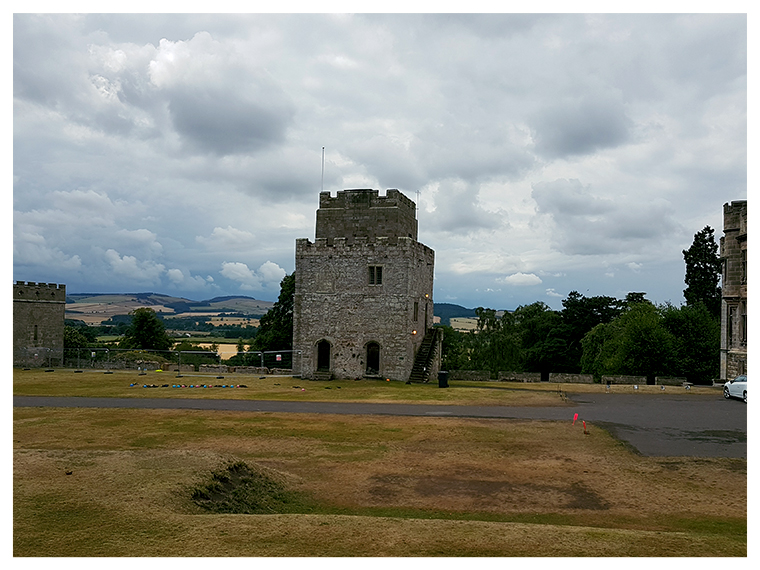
(575, 417)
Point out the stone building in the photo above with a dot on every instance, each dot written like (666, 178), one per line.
(38, 323)
(733, 318)
(363, 304)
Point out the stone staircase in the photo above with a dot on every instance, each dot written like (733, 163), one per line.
(425, 356)
(323, 375)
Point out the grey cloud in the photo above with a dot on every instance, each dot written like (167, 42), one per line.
(585, 224)
(223, 122)
(580, 126)
(457, 210)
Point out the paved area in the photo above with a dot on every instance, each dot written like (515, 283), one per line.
(654, 424)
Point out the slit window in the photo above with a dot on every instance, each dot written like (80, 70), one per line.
(375, 274)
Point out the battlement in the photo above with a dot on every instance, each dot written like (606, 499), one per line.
(735, 216)
(31, 291)
(358, 244)
(366, 198)
(358, 213)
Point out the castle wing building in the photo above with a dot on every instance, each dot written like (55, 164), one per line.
(733, 318)
(363, 305)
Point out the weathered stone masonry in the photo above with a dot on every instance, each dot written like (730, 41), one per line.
(38, 323)
(364, 288)
(733, 252)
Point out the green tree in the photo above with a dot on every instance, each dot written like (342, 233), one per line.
(146, 332)
(580, 314)
(496, 344)
(73, 338)
(697, 342)
(276, 327)
(542, 338)
(454, 353)
(634, 343)
(703, 268)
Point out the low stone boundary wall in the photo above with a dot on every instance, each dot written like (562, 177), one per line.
(564, 378)
(624, 380)
(669, 381)
(519, 376)
(249, 370)
(281, 371)
(213, 368)
(506, 376)
(472, 375)
(182, 368)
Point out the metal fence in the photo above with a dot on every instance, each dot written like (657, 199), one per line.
(269, 361)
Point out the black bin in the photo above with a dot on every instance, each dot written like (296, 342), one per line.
(443, 379)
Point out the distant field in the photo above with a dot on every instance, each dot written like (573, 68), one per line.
(464, 324)
(94, 309)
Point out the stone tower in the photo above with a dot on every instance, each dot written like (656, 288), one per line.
(733, 317)
(363, 305)
(38, 323)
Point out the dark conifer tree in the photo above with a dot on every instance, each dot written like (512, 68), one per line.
(703, 268)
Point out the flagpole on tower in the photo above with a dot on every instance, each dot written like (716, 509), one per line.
(323, 169)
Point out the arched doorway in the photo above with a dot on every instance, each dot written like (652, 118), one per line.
(323, 355)
(373, 359)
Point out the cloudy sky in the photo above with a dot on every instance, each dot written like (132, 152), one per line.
(182, 154)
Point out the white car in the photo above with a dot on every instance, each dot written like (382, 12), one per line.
(736, 388)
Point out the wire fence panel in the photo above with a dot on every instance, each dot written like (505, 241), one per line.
(284, 362)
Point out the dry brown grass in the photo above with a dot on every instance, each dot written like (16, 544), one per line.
(385, 486)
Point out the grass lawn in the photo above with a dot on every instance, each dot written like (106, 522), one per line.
(129, 384)
(120, 482)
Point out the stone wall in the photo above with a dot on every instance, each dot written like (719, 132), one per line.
(622, 379)
(520, 376)
(212, 369)
(38, 322)
(564, 378)
(470, 375)
(669, 381)
(249, 370)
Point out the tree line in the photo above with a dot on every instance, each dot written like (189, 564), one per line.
(605, 335)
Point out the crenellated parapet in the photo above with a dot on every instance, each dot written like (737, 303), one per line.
(363, 213)
(31, 291)
(360, 245)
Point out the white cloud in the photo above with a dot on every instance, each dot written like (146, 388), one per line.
(128, 266)
(175, 276)
(268, 275)
(521, 279)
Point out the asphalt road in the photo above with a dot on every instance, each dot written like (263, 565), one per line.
(654, 424)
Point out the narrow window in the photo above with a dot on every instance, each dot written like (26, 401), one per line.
(375, 275)
(743, 324)
(730, 327)
(416, 310)
(35, 332)
(744, 266)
